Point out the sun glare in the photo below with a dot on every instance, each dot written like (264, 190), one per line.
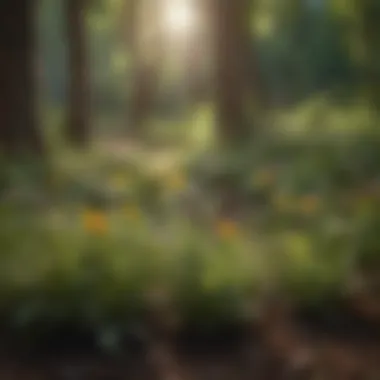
(179, 18)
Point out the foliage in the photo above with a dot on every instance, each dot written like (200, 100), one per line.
(106, 231)
(87, 239)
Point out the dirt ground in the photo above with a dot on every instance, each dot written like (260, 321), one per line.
(336, 342)
(310, 347)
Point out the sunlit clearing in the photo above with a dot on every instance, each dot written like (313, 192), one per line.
(179, 17)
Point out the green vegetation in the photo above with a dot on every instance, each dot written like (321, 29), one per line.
(142, 207)
(106, 231)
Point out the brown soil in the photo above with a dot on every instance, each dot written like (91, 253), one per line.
(329, 344)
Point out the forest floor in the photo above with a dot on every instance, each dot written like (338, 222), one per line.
(315, 345)
(311, 345)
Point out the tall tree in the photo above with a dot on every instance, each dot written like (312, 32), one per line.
(368, 13)
(78, 123)
(197, 59)
(232, 54)
(146, 49)
(18, 123)
(232, 36)
(363, 30)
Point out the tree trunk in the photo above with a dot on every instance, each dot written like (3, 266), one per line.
(143, 95)
(232, 59)
(129, 20)
(197, 56)
(78, 123)
(231, 28)
(146, 50)
(18, 128)
(370, 13)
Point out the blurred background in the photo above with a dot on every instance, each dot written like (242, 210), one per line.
(191, 160)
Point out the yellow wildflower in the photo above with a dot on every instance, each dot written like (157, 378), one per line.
(95, 222)
(310, 204)
(227, 229)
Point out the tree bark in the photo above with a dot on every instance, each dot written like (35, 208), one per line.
(146, 50)
(143, 94)
(370, 13)
(197, 56)
(18, 115)
(78, 123)
(232, 58)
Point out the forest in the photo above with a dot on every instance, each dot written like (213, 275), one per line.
(190, 189)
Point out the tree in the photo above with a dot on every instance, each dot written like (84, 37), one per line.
(18, 128)
(197, 59)
(368, 14)
(146, 49)
(232, 55)
(78, 123)
(142, 97)
(363, 30)
(232, 35)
